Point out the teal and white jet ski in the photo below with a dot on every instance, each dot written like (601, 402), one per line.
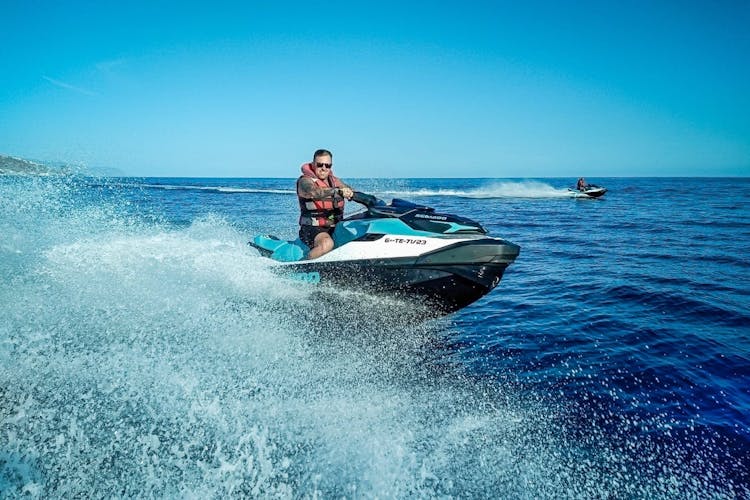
(402, 249)
(590, 191)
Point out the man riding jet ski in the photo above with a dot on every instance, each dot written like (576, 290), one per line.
(586, 190)
(401, 249)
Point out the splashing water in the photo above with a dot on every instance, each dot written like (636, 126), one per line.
(143, 358)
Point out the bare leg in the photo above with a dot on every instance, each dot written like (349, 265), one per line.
(322, 244)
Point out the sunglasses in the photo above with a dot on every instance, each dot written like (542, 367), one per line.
(323, 165)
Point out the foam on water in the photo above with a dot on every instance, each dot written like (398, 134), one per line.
(217, 189)
(510, 189)
(142, 359)
(525, 189)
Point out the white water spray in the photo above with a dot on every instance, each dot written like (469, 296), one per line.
(139, 358)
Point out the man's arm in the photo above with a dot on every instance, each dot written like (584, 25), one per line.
(307, 188)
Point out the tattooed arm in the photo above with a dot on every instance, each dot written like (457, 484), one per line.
(306, 188)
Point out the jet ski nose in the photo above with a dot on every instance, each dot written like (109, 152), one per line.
(489, 250)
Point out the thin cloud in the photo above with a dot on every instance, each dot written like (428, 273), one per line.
(67, 86)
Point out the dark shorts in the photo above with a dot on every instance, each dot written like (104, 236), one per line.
(308, 233)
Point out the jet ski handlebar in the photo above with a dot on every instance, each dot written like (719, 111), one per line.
(367, 200)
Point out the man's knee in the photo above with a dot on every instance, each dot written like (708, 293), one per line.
(324, 241)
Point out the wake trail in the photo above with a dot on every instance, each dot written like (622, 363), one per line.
(528, 189)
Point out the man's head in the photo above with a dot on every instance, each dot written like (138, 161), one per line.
(322, 163)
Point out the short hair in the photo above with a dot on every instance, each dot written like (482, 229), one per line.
(322, 152)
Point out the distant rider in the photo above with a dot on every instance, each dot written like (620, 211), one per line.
(582, 185)
(321, 201)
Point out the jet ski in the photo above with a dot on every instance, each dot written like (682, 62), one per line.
(590, 191)
(401, 249)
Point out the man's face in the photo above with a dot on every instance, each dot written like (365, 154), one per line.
(322, 166)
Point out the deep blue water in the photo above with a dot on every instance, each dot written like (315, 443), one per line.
(146, 350)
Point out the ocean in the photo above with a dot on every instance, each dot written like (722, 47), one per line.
(147, 351)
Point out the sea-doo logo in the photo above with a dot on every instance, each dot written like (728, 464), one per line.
(406, 241)
(431, 217)
(313, 277)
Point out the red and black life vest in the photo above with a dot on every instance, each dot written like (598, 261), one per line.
(326, 212)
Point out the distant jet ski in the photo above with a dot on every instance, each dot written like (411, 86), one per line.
(590, 191)
(403, 249)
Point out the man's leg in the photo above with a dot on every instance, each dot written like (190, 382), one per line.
(323, 244)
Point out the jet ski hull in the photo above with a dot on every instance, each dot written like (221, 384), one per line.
(448, 279)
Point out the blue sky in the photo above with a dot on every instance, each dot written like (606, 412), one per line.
(394, 89)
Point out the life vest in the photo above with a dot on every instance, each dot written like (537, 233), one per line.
(326, 212)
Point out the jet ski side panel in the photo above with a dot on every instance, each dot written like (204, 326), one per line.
(448, 278)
